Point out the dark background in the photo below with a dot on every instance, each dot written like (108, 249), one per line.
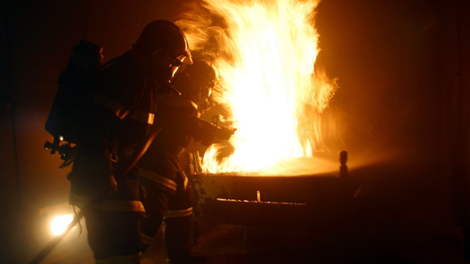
(403, 101)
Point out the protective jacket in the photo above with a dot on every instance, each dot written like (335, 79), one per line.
(179, 118)
(120, 115)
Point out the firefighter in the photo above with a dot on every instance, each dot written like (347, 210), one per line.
(169, 192)
(117, 122)
(198, 82)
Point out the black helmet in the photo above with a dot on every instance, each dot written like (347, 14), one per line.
(200, 79)
(167, 44)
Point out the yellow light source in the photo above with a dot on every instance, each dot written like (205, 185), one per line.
(59, 223)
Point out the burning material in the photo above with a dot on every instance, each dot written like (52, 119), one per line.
(258, 201)
(264, 202)
(265, 52)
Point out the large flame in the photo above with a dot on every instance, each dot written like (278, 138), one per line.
(265, 51)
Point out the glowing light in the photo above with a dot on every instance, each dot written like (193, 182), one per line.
(265, 52)
(59, 224)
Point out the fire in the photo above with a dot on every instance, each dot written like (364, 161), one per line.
(265, 52)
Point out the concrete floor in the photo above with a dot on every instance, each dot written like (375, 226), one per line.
(364, 236)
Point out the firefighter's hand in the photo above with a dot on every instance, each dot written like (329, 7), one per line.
(225, 133)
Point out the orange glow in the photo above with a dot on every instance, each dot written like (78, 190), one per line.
(60, 223)
(265, 52)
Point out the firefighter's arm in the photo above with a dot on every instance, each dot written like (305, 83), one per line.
(208, 133)
(181, 113)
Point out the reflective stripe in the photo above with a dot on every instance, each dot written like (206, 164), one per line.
(109, 205)
(146, 239)
(142, 116)
(118, 109)
(178, 213)
(170, 184)
(130, 259)
(185, 180)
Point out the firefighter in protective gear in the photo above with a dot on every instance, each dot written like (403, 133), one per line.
(169, 193)
(198, 82)
(121, 113)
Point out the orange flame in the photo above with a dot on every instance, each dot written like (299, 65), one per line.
(265, 52)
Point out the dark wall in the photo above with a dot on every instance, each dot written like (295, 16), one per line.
(389, 57)
(402, 67)
(404, 80)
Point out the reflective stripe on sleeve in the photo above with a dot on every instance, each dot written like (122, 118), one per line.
(178, 213)
(127, 259)
(120, 111)
(185, 180)
(114, 106)
(142, 116)
(157, 178)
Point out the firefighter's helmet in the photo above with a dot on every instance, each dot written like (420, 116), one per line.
(167, 45)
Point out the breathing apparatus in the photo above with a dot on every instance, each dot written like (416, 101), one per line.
(72, 97)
